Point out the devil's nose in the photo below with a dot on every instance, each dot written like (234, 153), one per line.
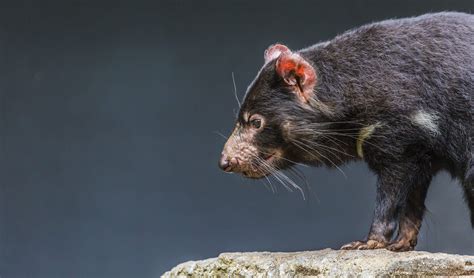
(224, 163)
(227, 164)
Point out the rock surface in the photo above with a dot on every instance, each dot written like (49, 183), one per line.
(327, 262)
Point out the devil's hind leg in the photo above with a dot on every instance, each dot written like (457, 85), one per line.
(468, 187)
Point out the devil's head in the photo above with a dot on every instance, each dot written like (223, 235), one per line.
(277, 104)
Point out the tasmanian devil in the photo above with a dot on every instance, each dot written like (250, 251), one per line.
(396, 94)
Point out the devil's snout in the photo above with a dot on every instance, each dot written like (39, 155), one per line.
(227, 164)
(224, 163)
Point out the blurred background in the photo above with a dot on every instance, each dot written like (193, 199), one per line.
(109, 146)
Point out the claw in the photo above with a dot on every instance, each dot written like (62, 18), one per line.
(400, 246)
(372, 244)
(352, 246)
(364, 245)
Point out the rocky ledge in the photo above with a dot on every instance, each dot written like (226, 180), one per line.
(327, 262)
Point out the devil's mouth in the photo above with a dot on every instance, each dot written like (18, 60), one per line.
(261, 172)
(268, 157)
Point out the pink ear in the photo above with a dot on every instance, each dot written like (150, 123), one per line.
(274, 51)
(296, 71)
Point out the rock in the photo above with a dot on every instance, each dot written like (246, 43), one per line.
(327, 262)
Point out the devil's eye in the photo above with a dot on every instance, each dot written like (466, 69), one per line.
(256, 123)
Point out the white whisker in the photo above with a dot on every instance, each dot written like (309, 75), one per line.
(235, 90)
(299, 143)
(221, 135)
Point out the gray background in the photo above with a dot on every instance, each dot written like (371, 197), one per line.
(109, 151)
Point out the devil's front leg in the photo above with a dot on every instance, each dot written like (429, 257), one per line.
(412, 213)
(393, 186)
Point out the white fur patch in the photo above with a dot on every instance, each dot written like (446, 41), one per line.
(426, 120)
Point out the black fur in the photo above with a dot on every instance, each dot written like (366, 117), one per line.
(382, 73)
